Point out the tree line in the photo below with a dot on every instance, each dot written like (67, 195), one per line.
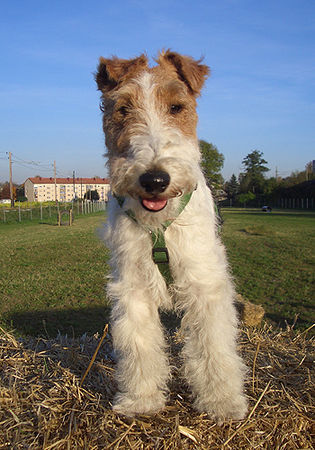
(252, 187)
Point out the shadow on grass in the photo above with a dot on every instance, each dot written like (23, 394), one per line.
(279, 320)
(92, 319)
(48, 323)
(71, 322)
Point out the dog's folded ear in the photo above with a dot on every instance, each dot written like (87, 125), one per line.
(111, 72)
(189, 70)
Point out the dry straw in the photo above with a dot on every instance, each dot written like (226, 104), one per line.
(43, 405)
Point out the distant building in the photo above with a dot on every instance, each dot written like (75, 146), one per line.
(40, 189)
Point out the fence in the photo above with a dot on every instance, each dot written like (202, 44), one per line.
(281, 203)
(295, 203)
(49, 213)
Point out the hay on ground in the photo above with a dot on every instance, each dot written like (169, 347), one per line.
(42, 405)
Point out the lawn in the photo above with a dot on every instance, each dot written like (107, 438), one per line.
(52, 278)
(272, 261)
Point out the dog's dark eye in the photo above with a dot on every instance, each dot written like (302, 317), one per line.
(102, 106)
(123, 110)
(175, 109)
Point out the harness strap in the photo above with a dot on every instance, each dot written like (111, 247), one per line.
(160, 255)
(159, 250)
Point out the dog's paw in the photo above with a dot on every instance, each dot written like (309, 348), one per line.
(130, 406)
(234, 408)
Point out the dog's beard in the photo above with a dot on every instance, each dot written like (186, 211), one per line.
(125, 180)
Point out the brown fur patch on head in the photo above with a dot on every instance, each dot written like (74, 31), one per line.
(176, 82)
(121, 118)
(178, 109)
(188, 70)
(114, 71)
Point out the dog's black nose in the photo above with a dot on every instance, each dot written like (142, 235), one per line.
(154, 182)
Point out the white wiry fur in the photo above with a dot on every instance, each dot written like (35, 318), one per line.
(202, 291)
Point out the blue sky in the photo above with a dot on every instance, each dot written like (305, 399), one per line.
(261, 94)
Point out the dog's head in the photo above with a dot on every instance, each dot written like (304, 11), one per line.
(149, 120)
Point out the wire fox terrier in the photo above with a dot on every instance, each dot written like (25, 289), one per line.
(161, 230)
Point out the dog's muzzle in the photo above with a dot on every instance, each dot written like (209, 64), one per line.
(154, 183)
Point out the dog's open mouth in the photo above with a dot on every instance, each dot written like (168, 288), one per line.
(153, 204)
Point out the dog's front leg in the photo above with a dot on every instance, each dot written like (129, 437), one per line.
(213, 368)
(142, 367)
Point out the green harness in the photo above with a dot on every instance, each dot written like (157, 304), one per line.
(159, 250)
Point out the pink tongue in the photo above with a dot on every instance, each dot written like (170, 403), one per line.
(154, 204)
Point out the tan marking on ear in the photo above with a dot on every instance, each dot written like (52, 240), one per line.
(114, 71)
(188, 70)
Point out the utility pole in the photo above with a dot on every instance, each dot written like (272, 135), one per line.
(73, 176)
(55, 183)
(11, 183)
(308, 170)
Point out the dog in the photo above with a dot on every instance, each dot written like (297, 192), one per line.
(161, 232)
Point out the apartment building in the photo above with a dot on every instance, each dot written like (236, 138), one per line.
(40, 189)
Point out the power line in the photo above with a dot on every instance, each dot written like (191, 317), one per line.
(40, 166)
(28, 164)
(32, 163)
(18, 163)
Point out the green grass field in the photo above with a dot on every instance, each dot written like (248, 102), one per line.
(52, 279)
(272, 259)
